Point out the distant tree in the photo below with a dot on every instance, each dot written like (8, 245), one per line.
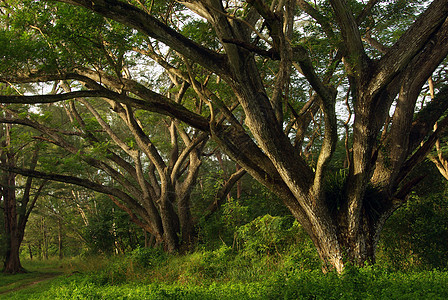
(18, 195)
(116, 155)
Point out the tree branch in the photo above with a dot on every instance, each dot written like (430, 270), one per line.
(422, 152)
(36, 99)
(427, 117)
(149, 101)
(409, 44)
(136, 18)
(316, 15)
(223, 192)
(358, 60)
(366, 10)
(79, 182)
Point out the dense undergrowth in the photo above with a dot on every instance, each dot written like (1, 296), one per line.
(269, 258)
(222, 274)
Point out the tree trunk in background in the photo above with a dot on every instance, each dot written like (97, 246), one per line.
(44, 239)
(30, 251)
(170, 223)
(239, 187)
(60, 239)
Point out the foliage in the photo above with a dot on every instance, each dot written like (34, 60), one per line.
(255, 201)
(222, 225)
(149, 257)
(99, 233)
(334, 189)
(417, 234)
(109, 229)
(267, 235)
(354, 283)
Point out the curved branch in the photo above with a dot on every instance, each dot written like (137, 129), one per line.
(316, 15)
(91, 185)
(149, 101)
(184, 154)
(59, 141)
(136, 18)
(422, 152)
(93, 139)
(36, 99)
(367, 9)
(223, 191)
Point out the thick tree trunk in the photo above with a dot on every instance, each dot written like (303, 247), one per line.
(14, 236)
(360, 248)
(185, 220)
(328, 247)
(336, 247)
(170, 224)
(12, 263)
(338, 244)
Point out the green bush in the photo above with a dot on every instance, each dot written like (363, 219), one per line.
(207, 265)
(267, 235)
(222, 225)
(416, 236)
(282, 236)
(149, 257)
(302, 257)
(115, 272)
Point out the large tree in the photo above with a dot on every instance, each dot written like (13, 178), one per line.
(148, 172)
(268, 71)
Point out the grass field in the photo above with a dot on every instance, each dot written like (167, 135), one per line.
(213, 275)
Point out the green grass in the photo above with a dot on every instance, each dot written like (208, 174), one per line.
(25, 291)
(38, 272)
(221, 274)
(364, 284)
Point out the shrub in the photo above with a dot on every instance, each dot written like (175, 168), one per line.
(417, 234)
(267, 235)
(149, 257)
(207, 265)
(302, 256)
(115, 272)
(222, 225)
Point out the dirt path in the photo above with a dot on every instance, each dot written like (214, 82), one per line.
(40, 278)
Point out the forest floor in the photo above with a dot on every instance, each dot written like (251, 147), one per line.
(39, 275)
(215, 275)
(26, 280)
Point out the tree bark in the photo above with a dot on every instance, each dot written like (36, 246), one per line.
(14, 236)
(14, 233)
